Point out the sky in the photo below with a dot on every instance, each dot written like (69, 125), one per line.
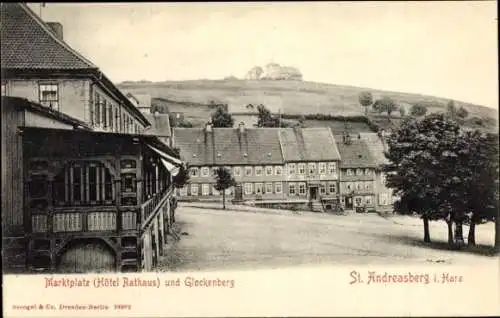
(444, 49)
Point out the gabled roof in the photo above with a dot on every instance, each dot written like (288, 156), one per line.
(29, 43)
(355, 154)
(160, 125)
(227, 146)
(308, 144)
(376, 147)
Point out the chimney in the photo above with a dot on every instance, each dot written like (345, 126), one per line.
(241, 127)
(57, 29)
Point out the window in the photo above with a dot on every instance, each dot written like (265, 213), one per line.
(349, 172)
(237, 171)
(97, 104)
(302, 168)
(49, 95)
(205, 172)
(368, 172)
(269, 171)
(4, 89)
(358, 186)
(248, 171)
(110, 117)
(291, 189)
(248, 188)
(258, 188)
(214, 171)
(229, 191)
(368, 185)
(194, 189)
(359, 172)
(322, 189)
(258, 171)
(358, 201)
(332, 188)
(349, 186)
(383, 199)
(312, 167)
(205, 189)
(269, 188)
(322, 168)
(368, 200)
(183, 191)
(277, 187)
(291, 168)
(302, 188)
(194, 172)
(278, 171)
(85, 183)
(383, 178)
(332, 168)
(104, 113)
(116, 120)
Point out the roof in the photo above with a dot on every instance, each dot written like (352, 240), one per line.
(23, 103)
(160, 125)
(356, 154)
(308, 144)
(376, 147)
(227, 146)
(246, 109)
(97, 139)
(29, 43)
(143, 100)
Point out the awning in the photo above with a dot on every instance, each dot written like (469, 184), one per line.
(170, 167)
(165, 156)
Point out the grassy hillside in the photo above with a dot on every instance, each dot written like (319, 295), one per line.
(292, 97)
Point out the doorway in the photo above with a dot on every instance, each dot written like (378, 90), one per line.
(313, 193)
(349, 203)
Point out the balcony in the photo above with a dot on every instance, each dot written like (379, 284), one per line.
(150, 208)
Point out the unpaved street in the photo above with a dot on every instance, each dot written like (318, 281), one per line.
(218, 240)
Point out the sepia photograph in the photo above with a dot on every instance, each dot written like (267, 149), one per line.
(252, 158)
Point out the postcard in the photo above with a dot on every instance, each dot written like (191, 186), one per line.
(246, 159)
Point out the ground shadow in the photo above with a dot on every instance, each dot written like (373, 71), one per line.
(479, 249)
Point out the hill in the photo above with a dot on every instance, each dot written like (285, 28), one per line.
(292, 97)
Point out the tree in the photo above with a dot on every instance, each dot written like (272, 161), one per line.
(387, 105)
(451, 109)
(479, 153)
(365, 99)
(224, 180)
(222, 118)
(424, 170)
(402, 111)
(265, 118)
(418, 109)
(462, 113)
(182, 178)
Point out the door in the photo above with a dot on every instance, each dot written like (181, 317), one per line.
(313, 193)
(86, 255)
(238, 192)
(348, 203)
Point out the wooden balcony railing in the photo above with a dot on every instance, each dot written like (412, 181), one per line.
(150, 207)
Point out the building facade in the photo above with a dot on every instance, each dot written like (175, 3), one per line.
(38, 65)
(357, 174)
(253, 157)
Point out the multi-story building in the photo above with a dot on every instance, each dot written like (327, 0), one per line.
(37, 64)
(84, 188)
(357, 173)
(270, 165)
(252, 155)
(311, 166)
(377, 146)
